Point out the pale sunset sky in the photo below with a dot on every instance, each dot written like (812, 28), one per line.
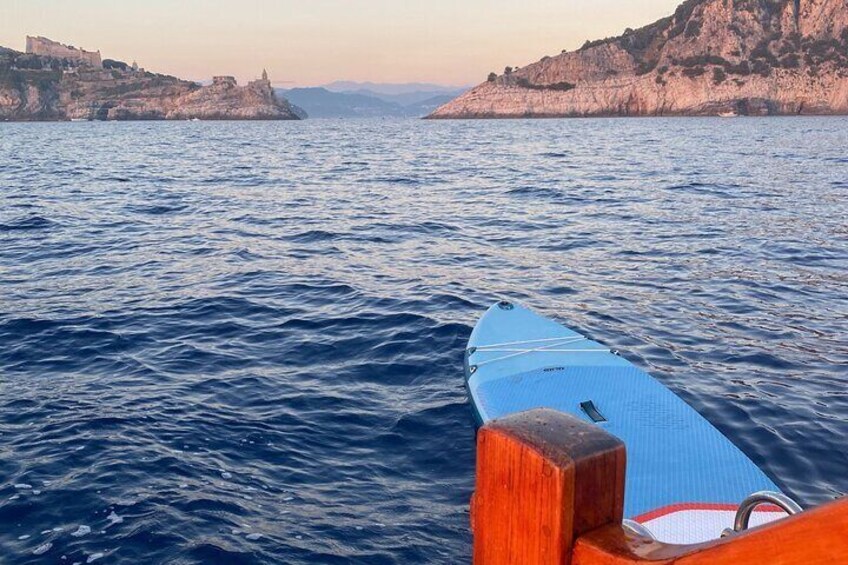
(312, 42)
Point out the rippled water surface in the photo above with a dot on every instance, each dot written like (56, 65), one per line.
(242, 342)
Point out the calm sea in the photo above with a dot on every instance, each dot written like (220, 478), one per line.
(243, 342)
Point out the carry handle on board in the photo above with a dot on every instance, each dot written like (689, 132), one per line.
(550, 490)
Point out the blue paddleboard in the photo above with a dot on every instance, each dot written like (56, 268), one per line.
(685, 480)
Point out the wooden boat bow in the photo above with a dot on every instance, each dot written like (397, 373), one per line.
(550, 490)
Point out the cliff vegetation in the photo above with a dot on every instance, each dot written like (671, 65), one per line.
(710, 56)
(44, 86)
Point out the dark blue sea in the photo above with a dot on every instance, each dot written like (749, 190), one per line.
(243, 342)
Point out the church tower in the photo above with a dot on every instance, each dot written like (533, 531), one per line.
(264, 75)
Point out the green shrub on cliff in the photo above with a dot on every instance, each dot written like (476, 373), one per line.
(29, 62)
(693, 29)
(561, 86)
(111, 64)
(694, 72)
(645, 67)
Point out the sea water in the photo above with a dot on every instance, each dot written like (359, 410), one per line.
(243, 342)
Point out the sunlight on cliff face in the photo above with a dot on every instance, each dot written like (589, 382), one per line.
(320, 41)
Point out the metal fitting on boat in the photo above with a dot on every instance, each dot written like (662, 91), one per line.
(636, 528)
(746, 509)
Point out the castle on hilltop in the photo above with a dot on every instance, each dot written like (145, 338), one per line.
(47, 48)
(80, 59)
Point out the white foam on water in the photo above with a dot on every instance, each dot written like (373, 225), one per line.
(23, 486)
(94, 557)
(81, 531)
(46, 532)
(253, 537)
(42, 549)
(226, 475)
(25, 536)
(36, 492)
(114, 519)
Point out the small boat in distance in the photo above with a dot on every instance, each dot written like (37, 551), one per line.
(730, 114)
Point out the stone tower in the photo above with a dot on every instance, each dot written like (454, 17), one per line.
(264, 75)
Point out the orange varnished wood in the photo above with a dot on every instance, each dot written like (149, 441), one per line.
(550, 490)
(533, 470)
(817, 536)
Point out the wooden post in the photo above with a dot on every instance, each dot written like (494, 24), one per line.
(550, 491)
(543, 479)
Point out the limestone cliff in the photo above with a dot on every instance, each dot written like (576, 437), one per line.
(711, 56)
(36, 87)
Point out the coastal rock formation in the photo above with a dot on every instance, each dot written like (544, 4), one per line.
(64, 83)
(710, 57)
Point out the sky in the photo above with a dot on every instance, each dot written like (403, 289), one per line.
(313, 42)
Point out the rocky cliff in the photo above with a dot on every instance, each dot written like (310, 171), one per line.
(35, 87)
(710, 57)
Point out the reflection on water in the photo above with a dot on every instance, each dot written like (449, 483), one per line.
(243, 343)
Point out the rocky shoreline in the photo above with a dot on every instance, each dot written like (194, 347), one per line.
(730, 57)
(37, 87)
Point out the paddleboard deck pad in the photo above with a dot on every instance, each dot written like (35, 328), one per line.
(685, 480)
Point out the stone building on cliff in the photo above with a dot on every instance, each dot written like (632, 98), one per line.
(225, 81)
(47, 48)
(263, 82)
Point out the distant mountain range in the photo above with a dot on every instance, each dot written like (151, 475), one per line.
(390, 89)
(344, 99)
